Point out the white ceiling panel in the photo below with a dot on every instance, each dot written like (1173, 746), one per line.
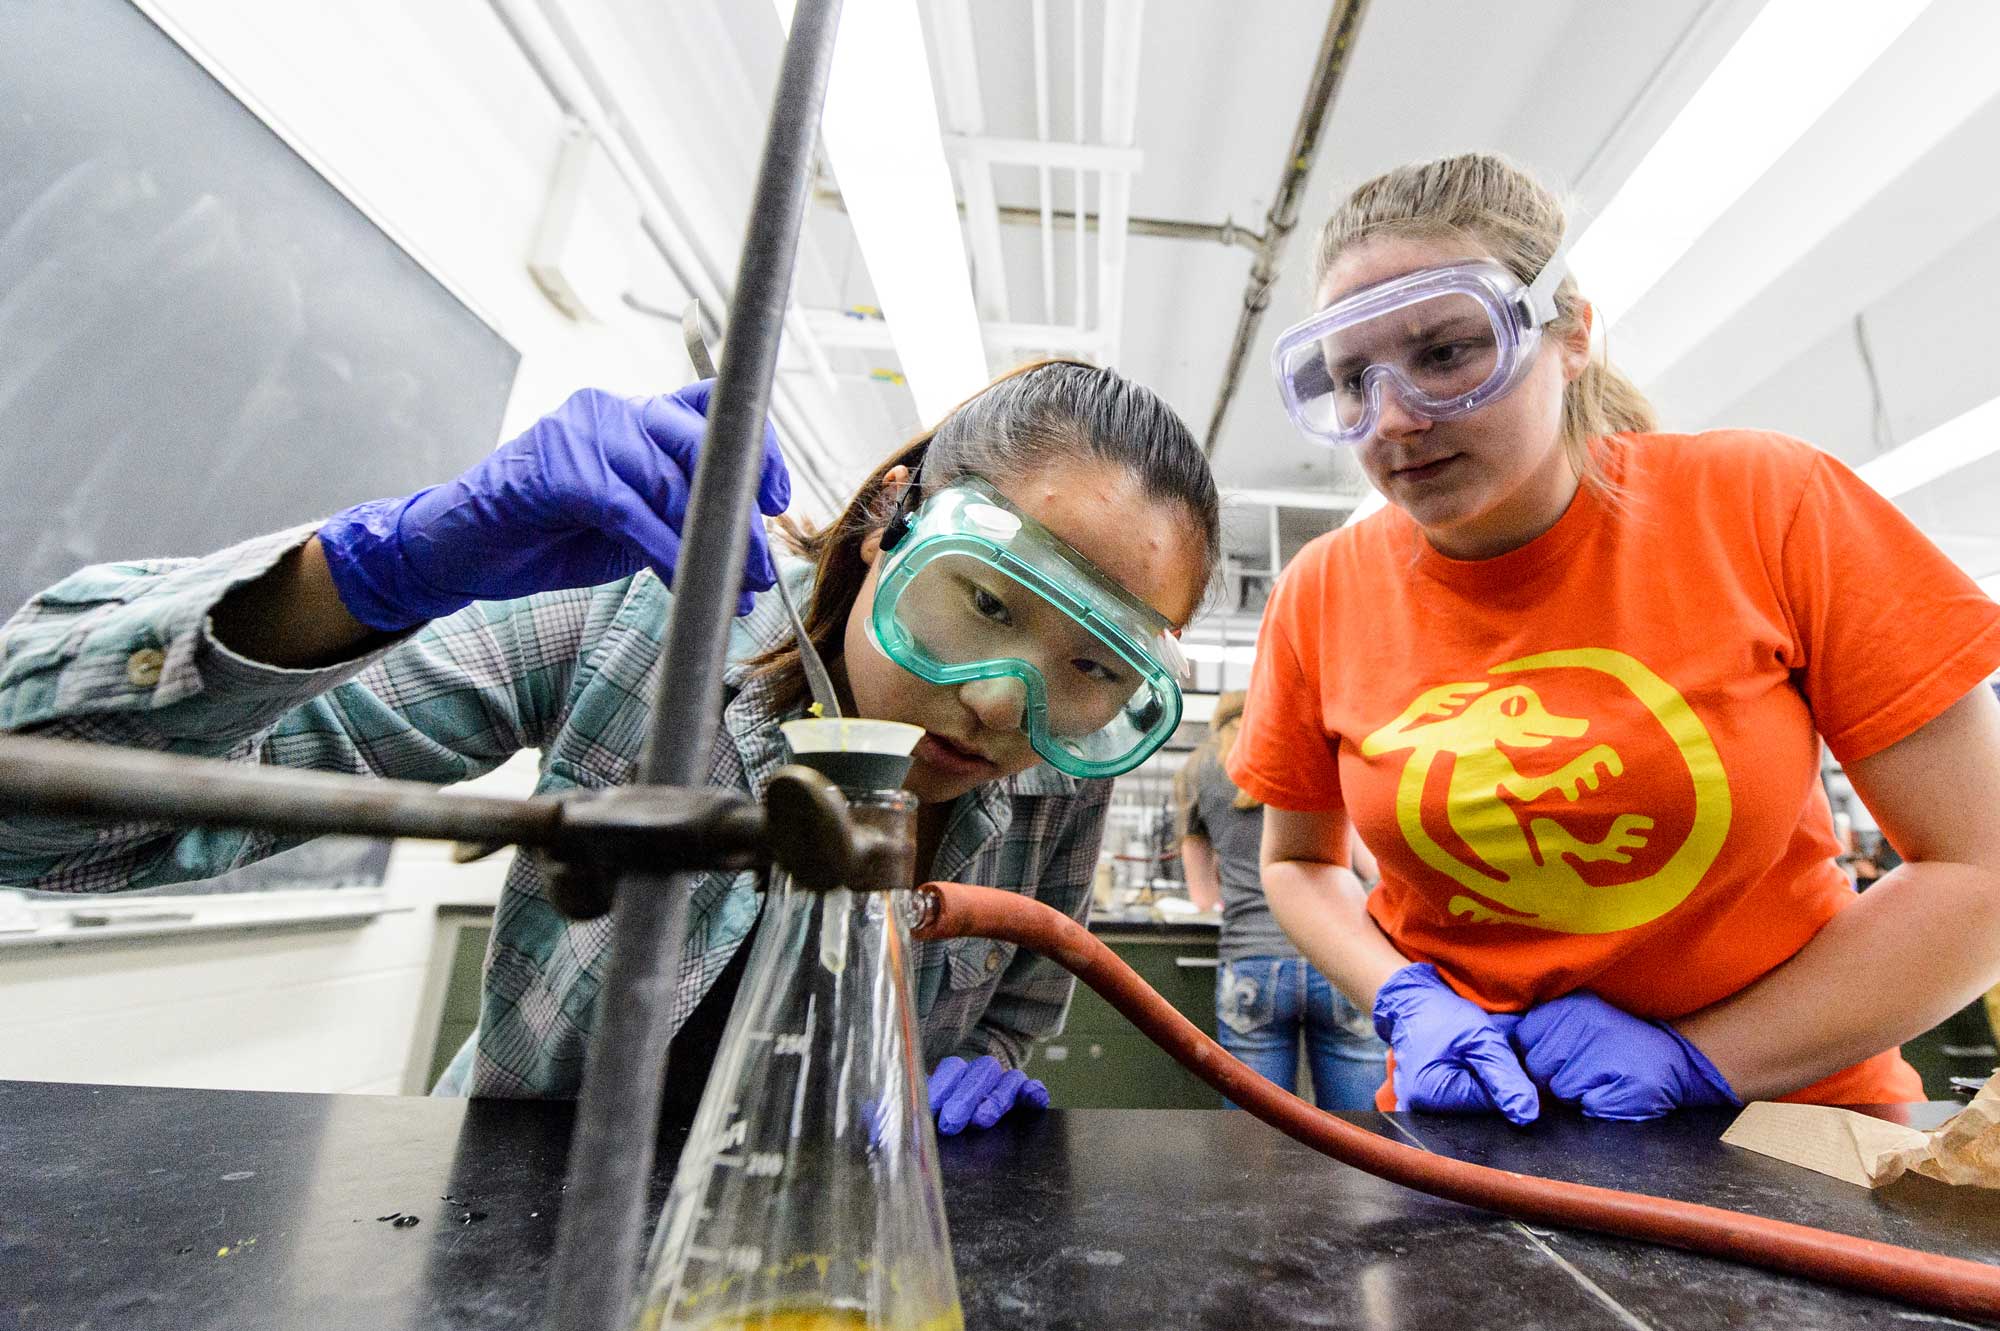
(1884, 210)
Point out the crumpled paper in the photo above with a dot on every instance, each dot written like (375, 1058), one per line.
(1872, 1152)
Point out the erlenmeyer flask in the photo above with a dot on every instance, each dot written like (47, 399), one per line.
(808, 1198)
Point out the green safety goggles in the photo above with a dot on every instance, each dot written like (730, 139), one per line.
(973, 589)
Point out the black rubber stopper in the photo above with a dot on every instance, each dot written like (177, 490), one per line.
(859, 771)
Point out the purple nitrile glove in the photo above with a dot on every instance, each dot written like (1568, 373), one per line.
(1452, 1056)
(979, 1092)
(1616, 1065)
(592, 492)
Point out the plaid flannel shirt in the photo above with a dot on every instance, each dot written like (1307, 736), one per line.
(124, 653)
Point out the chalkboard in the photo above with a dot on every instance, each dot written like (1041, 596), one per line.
(200, 338)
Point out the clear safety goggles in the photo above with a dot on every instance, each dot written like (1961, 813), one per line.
(1446, 341)
(972, 589)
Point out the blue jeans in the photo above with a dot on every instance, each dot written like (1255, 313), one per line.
(1262, 1007)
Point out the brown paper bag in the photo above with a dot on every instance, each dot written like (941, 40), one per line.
(1868, 1151)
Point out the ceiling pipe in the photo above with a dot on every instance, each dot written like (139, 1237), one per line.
(1226, 232)
(1328, 71)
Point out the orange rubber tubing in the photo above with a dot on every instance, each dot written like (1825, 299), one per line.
(1926, 1280)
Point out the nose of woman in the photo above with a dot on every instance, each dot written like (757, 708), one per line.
(1397, 420)
(1000, 704)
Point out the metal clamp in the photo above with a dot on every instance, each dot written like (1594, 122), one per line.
(803, 828)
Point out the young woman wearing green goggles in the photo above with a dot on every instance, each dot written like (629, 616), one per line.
(1018, 607)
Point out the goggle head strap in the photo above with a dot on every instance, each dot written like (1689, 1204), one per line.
(1540, 297)
(900, 518)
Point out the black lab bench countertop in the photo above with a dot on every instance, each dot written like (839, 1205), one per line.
(134, 1208)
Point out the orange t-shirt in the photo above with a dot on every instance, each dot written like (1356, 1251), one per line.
(1591, 763)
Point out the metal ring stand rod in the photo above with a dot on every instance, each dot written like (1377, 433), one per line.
(802, 824)
(611, 1154)
(65, 779)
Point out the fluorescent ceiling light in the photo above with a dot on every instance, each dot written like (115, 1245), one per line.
(1793, 62)
(880, 131)
(1962, 440)
(1317, 499)
(1214, 653)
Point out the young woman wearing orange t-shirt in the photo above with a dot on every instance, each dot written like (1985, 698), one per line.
(1570, 686)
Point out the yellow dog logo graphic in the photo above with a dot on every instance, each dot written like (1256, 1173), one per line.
(1531, 876)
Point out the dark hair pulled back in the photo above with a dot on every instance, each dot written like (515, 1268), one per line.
(1043, 414)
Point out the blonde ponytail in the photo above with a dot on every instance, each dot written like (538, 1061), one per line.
(1223, 725)
(1598, 402)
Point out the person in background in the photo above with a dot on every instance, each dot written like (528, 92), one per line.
(1268, 999)
(1570, 684)
(522, 605)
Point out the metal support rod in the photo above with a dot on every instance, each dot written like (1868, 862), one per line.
(67, 779)
(611, 1154)
(1334, 50)
(804, 825)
